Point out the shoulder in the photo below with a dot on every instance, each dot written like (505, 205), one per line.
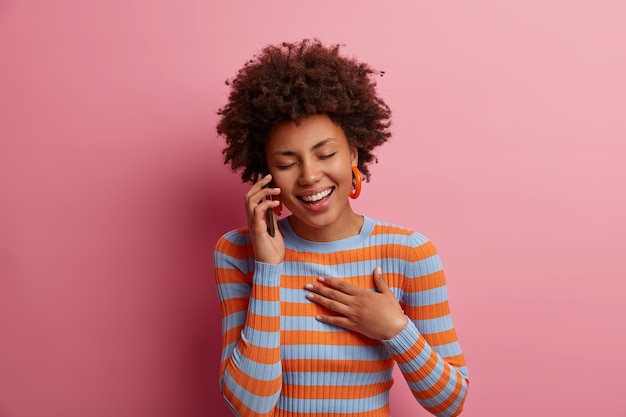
(403, 237)
(398, 233)
(236, 241)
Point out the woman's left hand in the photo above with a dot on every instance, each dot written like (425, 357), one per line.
(377, 315)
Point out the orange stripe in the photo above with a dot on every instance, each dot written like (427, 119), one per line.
(435, 389)
(362, 254)
(263, 323)
(231, 335)
(381, 412)
(424, 370)
(258, 354)
(441, 338)
(265, 293)
(335, 365)
(419, 346)
(235, 251)
(457, 360)
(295, 282)
(234, 305)
(232, 276)
(313, 337)
(241, 407)
(426, 282)
(451, 399)
(254, 385)
(308, 309)
(381, 229)
(427, 312)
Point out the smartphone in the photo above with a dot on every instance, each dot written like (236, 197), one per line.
(270, 219)
(270, 216)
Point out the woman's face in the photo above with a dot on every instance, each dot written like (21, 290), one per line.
(311, 164)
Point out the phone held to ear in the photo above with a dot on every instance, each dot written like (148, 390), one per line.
(270, 216)
(270, 219)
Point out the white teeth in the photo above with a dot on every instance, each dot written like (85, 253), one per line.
(316, 197)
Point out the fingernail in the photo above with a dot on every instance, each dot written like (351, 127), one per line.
(309, 286)
(379, 270)
(321, 279)
(310, 296)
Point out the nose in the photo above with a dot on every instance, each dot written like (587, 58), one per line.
(309, 173)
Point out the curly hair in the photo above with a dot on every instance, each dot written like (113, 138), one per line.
(291, 81)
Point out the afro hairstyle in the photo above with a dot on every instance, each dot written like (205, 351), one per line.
(290, 81)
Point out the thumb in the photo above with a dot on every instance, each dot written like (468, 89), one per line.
(379, 280)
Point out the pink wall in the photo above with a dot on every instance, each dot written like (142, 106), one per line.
(508, 151)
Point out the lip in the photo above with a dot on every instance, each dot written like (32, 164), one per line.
(313, 192)
(320, 205)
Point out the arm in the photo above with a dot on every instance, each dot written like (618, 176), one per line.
(425, 345)
(427, 350)
(250, 370)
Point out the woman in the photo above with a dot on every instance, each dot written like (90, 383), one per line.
(318, 306)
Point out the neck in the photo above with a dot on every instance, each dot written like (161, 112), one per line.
(348, 226)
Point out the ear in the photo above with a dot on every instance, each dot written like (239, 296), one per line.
(354, 156)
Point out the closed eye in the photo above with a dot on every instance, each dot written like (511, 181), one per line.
(329, 155)
(283, 167)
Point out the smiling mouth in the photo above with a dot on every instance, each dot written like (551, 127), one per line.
(312, 199)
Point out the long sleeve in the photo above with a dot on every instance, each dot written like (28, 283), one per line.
(279, 361)
(249, 296)
(427, 350)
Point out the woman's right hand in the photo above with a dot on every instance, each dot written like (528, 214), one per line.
(267, 249)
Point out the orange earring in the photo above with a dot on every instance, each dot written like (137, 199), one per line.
(356, 181)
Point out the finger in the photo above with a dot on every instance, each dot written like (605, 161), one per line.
(329, 293)
(260, 183)
(379, 280)
(329, 303)
(339, 285)
(336, 321)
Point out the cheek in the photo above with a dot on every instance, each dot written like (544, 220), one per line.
(344, 177)
(281, 181)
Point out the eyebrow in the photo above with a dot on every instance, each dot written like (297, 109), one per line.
(314, 147)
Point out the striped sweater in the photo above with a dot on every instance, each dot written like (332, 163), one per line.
(278, 360)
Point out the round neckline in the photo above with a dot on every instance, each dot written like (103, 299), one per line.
(293, 240)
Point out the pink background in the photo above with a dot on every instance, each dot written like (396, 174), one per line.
(508, 152)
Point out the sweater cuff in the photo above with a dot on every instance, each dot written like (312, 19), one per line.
(267, 274)
(404, 340)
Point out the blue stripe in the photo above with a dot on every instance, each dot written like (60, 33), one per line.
(228, 262)
(427, 266)
(443, 394)
(228, 349)
(306, 323)
(337, 378)
(449, 349)
(429, 380)
(412, 270)
(230, 291)
(264, 308)
(294, 295)
(430, 326)
(265, 372)
(258, 404)
(233, 320)
(426, 297)
(236, 238)
(417, 362)
(261, 338)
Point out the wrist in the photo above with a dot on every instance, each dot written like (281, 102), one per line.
(396, 327)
